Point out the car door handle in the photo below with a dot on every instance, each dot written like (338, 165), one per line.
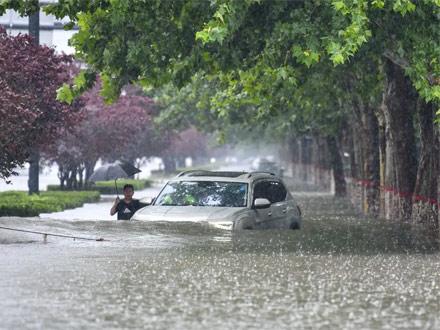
(284, 210)
(269, 213)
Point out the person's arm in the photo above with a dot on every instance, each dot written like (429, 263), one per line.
(140, 205)
(114, 208)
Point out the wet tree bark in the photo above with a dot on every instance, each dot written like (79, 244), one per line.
(365, 155)
(34, 158)
(425, 209)
(382, 162)
(370, 148)
(401, 166)
(353, 145)
(357, 193)
(337, 166)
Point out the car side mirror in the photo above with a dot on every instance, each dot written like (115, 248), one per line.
(261, 203)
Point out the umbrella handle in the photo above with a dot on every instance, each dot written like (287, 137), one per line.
(116, 186)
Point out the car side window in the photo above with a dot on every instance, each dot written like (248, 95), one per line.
(261, 190)
(274, 191)
(277, 192)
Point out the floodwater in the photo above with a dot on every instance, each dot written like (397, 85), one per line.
(338, 272)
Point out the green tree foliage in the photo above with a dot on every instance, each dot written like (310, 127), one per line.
(23, 7)
(259, 50)
(254, 44)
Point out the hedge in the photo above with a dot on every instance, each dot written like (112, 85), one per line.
(19, 203)
(108, 187)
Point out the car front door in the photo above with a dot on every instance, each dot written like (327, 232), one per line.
(261, 190)
(274, 191)
(279, 206)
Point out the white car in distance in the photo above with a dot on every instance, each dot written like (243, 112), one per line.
(232, 200)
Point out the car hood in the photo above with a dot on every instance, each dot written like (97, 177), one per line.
(188, 213)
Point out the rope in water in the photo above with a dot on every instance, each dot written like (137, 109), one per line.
(100, 239)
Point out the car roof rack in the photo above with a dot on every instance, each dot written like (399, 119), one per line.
(259, 172)
(190, 172)
(228, 174)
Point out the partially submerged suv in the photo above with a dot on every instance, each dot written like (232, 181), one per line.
(233, 200)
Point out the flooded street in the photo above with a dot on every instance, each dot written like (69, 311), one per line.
(192, 118)
(339, 271)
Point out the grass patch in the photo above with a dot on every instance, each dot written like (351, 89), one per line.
(108, 187)
(19, 203)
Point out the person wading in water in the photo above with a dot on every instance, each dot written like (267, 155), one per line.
(128, 206)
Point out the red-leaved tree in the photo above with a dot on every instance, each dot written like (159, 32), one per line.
(30, 114)
(122, 130)
(187, 143)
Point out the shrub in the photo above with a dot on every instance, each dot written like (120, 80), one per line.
(108, 187)
(19, 203)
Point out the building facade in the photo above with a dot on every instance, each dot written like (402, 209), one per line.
(52, 31)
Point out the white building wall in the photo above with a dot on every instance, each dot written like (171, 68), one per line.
(52, 33)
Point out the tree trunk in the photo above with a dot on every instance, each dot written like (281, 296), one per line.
(81, 178)
(89, 166)
(34, 172)
(169, 164)
(356, 191)
(438, 174)
(425, 208)
(34, 161)
(370, 148)
(353, 145)
(399, 105)
(71, 183)
(382, 162)
(337, 166)
(62, 176)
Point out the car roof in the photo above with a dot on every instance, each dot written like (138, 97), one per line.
(227, 176)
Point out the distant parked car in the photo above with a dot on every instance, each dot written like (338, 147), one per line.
(232, 200)
(265, 165)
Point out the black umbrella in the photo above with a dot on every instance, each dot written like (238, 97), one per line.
(114, 171)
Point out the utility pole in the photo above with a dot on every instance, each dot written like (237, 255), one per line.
(34, 156)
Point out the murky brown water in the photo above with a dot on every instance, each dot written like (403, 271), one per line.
(338, 272)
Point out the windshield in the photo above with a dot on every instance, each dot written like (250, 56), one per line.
(204, 193)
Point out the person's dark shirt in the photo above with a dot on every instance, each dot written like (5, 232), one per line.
(126, 210)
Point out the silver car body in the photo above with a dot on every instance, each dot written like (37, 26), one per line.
(281, 212)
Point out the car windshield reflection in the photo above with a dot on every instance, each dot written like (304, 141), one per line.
(204, 193)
